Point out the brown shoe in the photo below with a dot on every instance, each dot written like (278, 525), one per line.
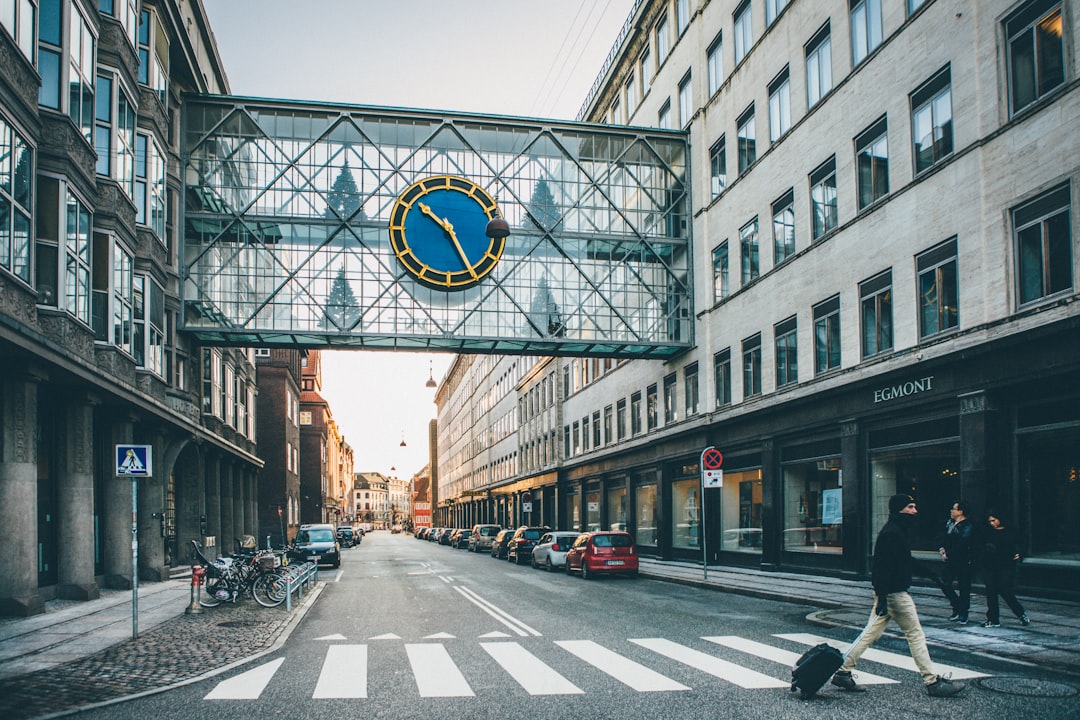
(844, 680)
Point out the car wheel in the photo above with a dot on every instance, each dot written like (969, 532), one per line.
(566, 567)
(532, 561)
(585, 574)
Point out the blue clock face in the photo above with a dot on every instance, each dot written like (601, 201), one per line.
(438, 230)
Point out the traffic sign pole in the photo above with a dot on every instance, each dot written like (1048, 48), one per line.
(709, 464)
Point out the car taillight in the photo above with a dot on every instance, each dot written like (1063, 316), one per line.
(522, 541)
(555, 547)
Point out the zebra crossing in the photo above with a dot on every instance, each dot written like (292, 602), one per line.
(345, 669)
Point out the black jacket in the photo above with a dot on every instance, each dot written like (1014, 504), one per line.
(999, 549)
(893, 563)
(959, 543)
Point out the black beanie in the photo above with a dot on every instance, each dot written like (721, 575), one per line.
(899, 502)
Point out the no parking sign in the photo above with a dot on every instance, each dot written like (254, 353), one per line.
(712, 476)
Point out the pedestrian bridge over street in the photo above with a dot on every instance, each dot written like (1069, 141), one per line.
(331, 226)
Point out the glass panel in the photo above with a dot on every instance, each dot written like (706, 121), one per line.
(740, 508)
(686, 513)
(647, 517)
(813, 506)
(930, 474)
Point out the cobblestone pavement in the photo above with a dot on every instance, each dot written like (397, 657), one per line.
(178, 650)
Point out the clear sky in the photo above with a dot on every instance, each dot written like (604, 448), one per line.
(534, 58)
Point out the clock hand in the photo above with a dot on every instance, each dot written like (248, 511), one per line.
(445, 225)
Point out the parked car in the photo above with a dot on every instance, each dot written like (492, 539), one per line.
(446, 536)
(346, 537)
(498, 545)
(482, 536)
(433, 536)
(595, 553)
(461, 539)
(318, 543)
(550, 551)
(519, 548)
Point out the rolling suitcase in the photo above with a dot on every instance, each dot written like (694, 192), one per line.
(814, 668)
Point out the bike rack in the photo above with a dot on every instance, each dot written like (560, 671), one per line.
(298, 578)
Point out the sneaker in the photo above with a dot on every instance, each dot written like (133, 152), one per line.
(962, 620)
(955, 617)
(991, 623)
(944, 687)
(844, 680)
(1025, 620)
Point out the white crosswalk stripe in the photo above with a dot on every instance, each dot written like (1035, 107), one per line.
(904, 662)
(345, 669)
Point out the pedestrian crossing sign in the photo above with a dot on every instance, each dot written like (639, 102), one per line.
(134, 461)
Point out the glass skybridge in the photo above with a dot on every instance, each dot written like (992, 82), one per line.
(331, 226)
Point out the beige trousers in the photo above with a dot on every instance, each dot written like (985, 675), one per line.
(902, 610)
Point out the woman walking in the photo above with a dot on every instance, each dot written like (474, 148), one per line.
(1000, 558)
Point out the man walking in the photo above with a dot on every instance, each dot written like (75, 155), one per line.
(957, 550)
(891, 578)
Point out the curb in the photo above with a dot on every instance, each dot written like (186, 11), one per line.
(748, 592)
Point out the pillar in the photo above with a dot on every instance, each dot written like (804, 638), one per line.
(190, 477)
(772, 509)
(855, 493)
(152, 514)
(225, 539)
(18, 496)
(212, 506)
(75, 502)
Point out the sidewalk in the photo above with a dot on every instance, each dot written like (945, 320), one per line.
(1052, 640)
(80, 654)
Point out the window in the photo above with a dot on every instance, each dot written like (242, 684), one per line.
(690, 388)
(818, 67)
(149, 324)
(913, 5)
(1043, 245)
(714, 64)
(620, 418)
(635, 413)
(631, 96)
(616, 113)
(122, 293)
(608, 437)
(150, 185)
(652, 410)
(114, 132)
(787, 352)
(747, 140)
(722, 377)
(751, 352)
(872, 163)
(827, 335)
(865, 28)
(779, 106)
(718, 167)
(823, 198)
(744, 33)
(153, 56)
(103, 117)
(211, 382)
(663, 42)
(748, 251)
(931, 121)
(682, 16)
(566, 441)
(783, 223)
(17, 17)
(596, 439)
(585, 427)
(124, 12)
(16, 182)
(305, 417)
(686, 100)
(645, 63)
(772, 9)
(671, 412)
(1036, 53)
(663, 118)
(76, 270)
(73, 87)
(720, 271)
(875, 303)
(938, 291)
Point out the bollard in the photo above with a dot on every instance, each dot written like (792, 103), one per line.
(197, 572)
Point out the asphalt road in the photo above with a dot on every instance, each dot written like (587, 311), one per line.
(408, 629)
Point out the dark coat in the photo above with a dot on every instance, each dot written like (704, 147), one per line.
(893, 563)
(959, 543)
(999, 549)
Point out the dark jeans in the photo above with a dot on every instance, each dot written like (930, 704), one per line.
(1001, 581)
(960, 573)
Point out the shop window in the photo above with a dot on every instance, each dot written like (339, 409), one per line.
(813, 506)
(930, 474)
(573, 511)
(592, 511)
(616, 508)
(646, 515)
(1049, 463)
(740, 508)
(686, 514)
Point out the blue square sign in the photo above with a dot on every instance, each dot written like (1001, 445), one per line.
(134, 461)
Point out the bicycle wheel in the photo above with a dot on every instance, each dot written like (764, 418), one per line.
(209, 590)
(269, 589)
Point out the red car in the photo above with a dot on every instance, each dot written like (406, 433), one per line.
(595, 553)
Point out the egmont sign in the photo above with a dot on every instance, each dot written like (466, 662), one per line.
(911, 387)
